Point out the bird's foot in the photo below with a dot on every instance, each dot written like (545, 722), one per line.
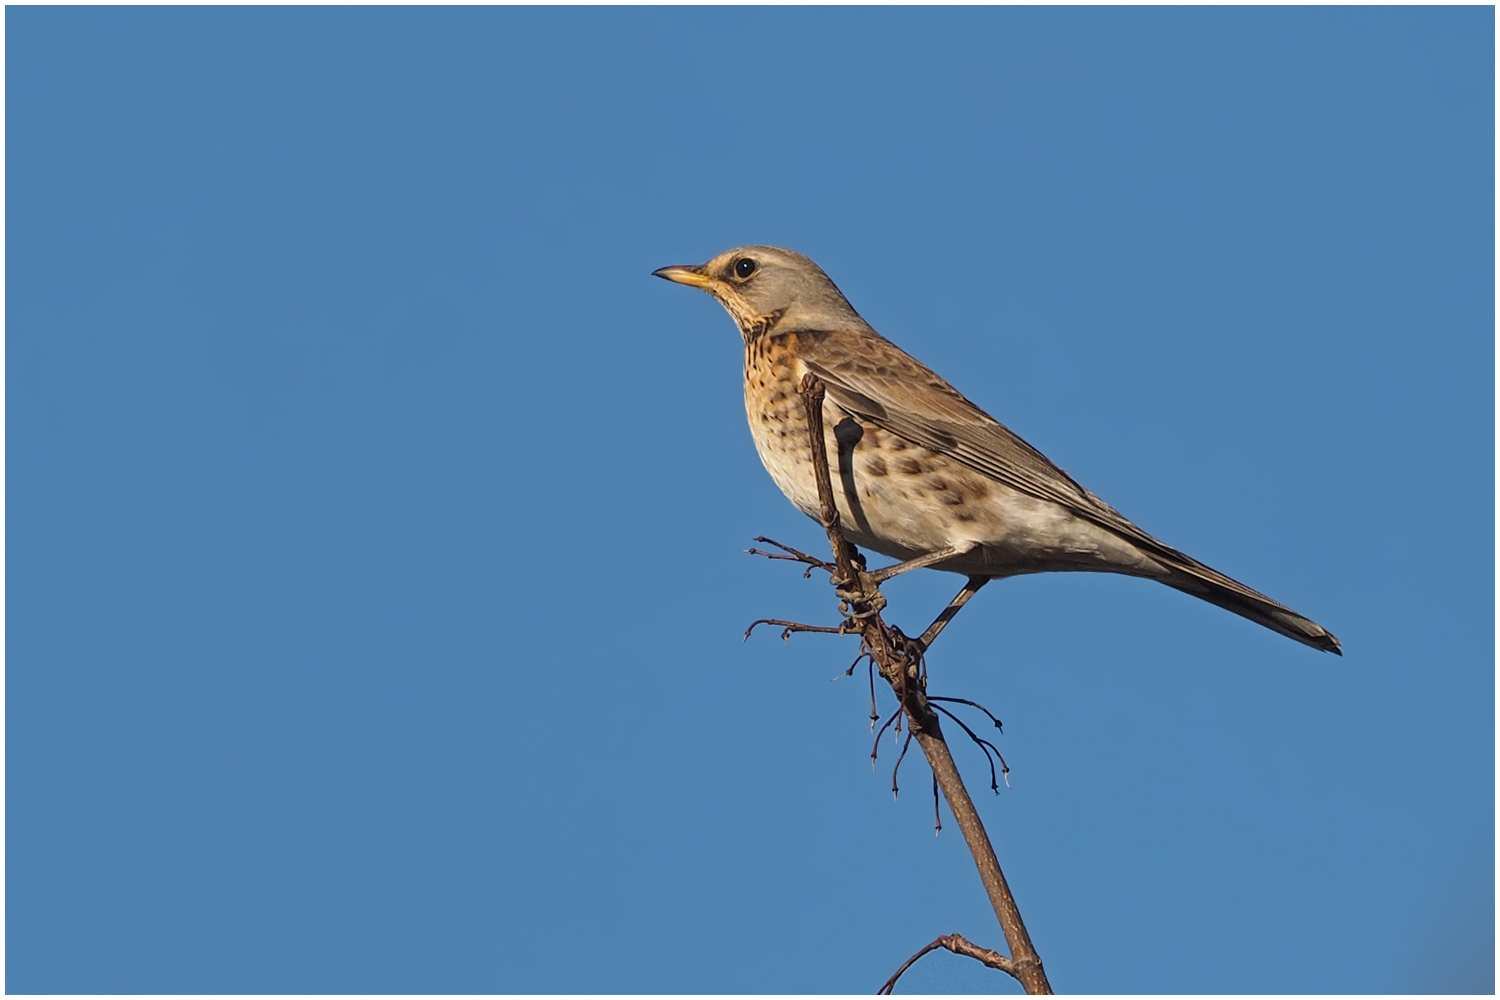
(859, 598)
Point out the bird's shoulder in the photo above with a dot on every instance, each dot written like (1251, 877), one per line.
(887, 383)
(859, 359)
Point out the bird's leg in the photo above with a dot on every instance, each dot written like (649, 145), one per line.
(939, 623)
(931, 558)
(915, 650)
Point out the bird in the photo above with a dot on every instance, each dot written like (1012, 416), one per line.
(920, 473)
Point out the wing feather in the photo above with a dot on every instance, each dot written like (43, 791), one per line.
(899, 394)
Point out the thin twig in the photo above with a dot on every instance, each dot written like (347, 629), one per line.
(1026, 965)
(984, 745)
(791, 627)
(971, 704)
(895, 790)
(875, 750)
(890, 983)
(806, 574)
(959, 945)
(795, 555)
(850, 671)
(813, 392)
(937, 817)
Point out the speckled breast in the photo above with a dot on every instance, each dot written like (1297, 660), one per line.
(778, 420)
(893, 497)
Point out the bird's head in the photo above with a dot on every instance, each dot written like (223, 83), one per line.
(766, 287)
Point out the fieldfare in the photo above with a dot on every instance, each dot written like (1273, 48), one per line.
(923, 475)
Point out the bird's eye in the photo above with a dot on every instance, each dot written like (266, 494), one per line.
(744, 267)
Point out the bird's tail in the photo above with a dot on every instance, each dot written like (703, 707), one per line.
(1192, 577)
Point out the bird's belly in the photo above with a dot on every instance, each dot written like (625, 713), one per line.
(902, 500)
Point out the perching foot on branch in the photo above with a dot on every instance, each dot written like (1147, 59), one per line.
(859, 599)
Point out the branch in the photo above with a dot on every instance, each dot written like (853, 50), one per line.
(786, 633)
(959, 945)
(791, 555)
(828, 513)
(898, 660)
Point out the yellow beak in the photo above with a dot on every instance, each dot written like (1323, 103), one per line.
(685, 274)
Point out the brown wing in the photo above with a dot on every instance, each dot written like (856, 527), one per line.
(877, 381)
(895, 391)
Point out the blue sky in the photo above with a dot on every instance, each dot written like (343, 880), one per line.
(375, 585)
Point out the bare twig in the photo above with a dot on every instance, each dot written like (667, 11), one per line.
(786, 633)
(875, 750)
(806, 574)
(959, 945)
(792, 555)
(984, 745)
(972, 704)
(850, 671)
(813, 392)
(1026, 965)
(890, 984)
(895, 789)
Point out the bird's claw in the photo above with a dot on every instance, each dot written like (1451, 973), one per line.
(860, 598)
